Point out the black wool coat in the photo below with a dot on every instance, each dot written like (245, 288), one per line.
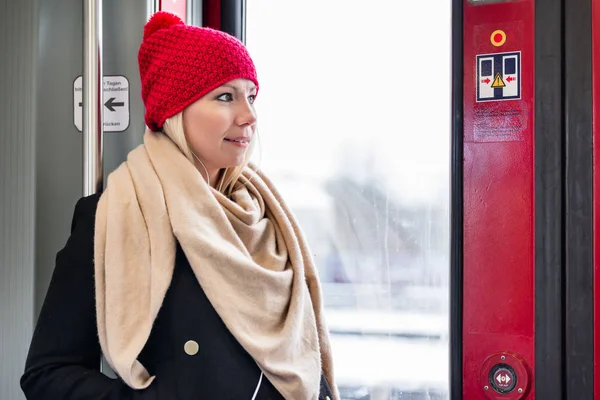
(64, 356)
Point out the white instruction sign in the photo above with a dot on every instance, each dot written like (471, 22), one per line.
(116, 103)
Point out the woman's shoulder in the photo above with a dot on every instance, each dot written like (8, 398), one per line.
(85, 210)
(83, 223)
(79, 246)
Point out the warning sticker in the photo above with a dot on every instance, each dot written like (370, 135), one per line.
(500, 122)
(499, 76)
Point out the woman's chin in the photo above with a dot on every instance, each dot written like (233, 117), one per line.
(237, 162)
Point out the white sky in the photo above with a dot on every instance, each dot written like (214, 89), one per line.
(342, 80)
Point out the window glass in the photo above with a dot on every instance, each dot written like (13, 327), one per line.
(354, 124)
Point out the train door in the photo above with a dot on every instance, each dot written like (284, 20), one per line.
(521, 258)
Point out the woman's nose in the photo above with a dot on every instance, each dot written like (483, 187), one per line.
(246, 114)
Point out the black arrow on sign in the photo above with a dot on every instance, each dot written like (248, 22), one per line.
(110, 104)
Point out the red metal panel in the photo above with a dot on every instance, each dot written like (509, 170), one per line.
(498, 190)
(177, 7)
(596, 175)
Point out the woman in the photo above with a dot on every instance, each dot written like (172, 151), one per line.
(189, 274)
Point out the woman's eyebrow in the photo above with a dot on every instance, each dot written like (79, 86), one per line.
(237, 89)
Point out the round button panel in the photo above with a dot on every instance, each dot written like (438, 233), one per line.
(504, 376)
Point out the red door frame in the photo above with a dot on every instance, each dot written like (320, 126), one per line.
(531, 271)
(498, 173)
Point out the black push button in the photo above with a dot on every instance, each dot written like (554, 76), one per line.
(503, 378)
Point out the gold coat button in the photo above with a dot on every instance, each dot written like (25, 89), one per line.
(327, 398)
(191, 348)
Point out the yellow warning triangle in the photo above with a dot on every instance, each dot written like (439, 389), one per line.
(498, 82)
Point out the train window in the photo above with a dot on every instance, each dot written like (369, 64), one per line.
(354, 125)
(510, 65)
(486, 67)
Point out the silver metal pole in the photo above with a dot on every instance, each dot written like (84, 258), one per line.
(92, 97)
(92, 103)
(189, 12)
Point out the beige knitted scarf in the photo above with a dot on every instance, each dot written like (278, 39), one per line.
(246, 251)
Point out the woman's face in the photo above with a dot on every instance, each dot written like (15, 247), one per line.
(220, 125)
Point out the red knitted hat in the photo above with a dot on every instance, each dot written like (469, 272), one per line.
(180, 63)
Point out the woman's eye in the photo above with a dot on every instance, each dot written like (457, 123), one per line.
(225, 97)
(251, 98)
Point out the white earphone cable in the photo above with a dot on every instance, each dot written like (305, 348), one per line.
(205, 170)
(257, 386)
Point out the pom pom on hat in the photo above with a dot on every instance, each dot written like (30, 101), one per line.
(161, 20)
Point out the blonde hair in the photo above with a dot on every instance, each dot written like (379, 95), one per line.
(173, 128)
